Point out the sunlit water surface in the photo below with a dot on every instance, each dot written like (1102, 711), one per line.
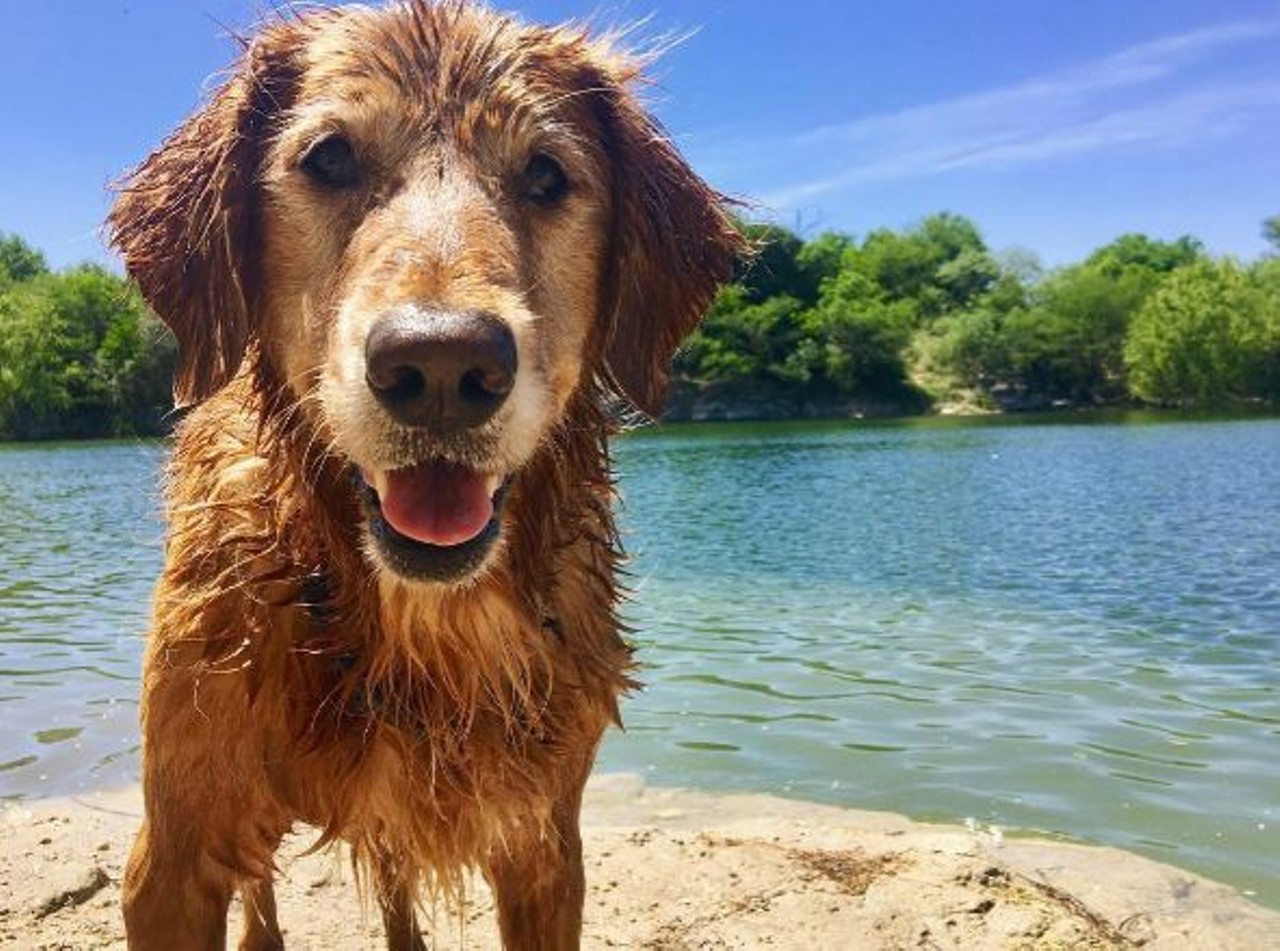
(1066, 629)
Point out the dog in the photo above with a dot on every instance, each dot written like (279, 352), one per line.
(414, 258)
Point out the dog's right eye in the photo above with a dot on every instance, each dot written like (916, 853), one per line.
(544, 181)
(331, 161)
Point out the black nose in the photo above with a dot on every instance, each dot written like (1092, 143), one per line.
(447, 371)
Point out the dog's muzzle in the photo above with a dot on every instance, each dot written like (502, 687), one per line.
(443, 376)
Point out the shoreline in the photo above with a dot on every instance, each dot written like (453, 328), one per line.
(673, 869)
(852, 410)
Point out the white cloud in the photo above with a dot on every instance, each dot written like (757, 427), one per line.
(1141, 97)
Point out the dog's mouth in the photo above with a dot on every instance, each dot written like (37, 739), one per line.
(436, 520)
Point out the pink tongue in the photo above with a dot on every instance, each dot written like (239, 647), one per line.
(437, 503)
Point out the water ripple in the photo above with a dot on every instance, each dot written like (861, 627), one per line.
(1065, 629)
(1071, 629)
(71, 608)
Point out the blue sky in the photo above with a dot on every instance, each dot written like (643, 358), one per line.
(1055, 126)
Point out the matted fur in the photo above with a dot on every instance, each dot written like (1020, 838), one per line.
(290, 675)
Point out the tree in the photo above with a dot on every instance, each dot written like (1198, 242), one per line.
(80, 356)
(969, 346)
(858, 337)
(774, 270)
(19, 261)
(950, 235)
(1020, 265)
(1069, 343)
(1199, 339)
(901, 266)
(1271, 232)
(939, 265)
(740, 339)
(931, 304)
(1264, 276)
(973, 345)
(966, 277)
(820, 260)
(1062, 337)
(1150, 254)
(32, 352)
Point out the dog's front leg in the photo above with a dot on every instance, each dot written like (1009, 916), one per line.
(539, 885)
(261, 927)
(211, 823)
(395, 898)
(174, 900)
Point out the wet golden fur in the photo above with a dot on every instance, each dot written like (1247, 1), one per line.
(290, 675)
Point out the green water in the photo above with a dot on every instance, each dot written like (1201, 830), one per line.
(1063, 629)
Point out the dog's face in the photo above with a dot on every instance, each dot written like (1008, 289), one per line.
(433, 225)
(437, 257)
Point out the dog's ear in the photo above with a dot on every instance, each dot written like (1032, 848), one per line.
(673, 244)
(186, 223)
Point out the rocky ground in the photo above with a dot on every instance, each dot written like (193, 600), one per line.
(671, 869)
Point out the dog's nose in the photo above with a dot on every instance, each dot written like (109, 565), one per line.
(446, 371)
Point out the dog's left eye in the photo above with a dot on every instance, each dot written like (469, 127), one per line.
(332, 162)
(543, 180)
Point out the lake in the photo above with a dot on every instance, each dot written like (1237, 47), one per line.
(1071, 630)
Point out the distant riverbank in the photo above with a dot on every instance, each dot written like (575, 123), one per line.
(692, 401)
(751, 400)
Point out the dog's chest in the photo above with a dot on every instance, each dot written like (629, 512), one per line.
(419, 732)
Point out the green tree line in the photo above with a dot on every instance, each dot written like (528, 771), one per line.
(916, 318)
(80, 354)
(929, 315)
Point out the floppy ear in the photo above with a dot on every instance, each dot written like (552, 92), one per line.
(673, 245)
(186, 219)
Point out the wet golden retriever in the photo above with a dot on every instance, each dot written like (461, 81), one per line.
(412, 256)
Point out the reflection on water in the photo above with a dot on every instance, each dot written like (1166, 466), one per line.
(1066, 629)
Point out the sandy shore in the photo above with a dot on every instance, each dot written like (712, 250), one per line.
(673, 869)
